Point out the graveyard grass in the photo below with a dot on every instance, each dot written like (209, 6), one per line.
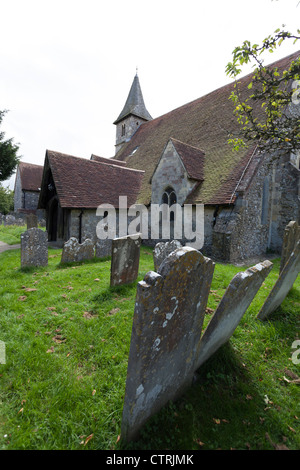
(67, 337)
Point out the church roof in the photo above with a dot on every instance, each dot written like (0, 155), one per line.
(205, 124)
(134, 103)
(192, 158)
(31, 176)
(85, 184)
(108, 161)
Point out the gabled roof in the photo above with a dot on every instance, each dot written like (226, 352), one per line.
(204, 123)
(134, 103)
(31, 176)
(108, 161)
(192, 158)
(85, 184)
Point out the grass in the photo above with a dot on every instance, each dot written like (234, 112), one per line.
(67, 337)
(10, 234)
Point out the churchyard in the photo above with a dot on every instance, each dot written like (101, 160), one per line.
(67, 330)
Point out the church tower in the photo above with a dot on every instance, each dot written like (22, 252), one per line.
(132, 115)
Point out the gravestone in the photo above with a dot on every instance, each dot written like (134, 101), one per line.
(290, 239)
(234, 303)
(168, 317)
(34, 248)
(103, 248)
(283, 284)
(125, 258)
(162, 250)
(73, 251)
(32, 221)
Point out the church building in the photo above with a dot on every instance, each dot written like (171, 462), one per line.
(182, 157)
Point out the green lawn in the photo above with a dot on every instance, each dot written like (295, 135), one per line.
(10, 234)
(67, 338)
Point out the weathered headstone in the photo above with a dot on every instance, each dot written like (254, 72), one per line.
(32, 221)
(125, 258)
(234, 303)
(103, 248)
(290, 238)
(168, 317)
(73, 251)
(283, 284)
(162, 250)
(34, 248)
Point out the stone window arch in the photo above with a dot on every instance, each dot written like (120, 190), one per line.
(169, 196)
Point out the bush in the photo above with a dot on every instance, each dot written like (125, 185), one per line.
(6, 200)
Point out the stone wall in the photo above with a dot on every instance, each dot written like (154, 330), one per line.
(170, 172)
(257, 222)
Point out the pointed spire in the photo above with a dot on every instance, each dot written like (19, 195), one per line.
(135, 103)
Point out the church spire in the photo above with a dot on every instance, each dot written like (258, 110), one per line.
(132, 115)
(134, 103)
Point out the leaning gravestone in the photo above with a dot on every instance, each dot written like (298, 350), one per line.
(34, 248)
(73, 251)
(103, 248)
(162, 250)
(125, 258)
(168, 317)
(234, 303)
(283, 284)
(290, 238)
(32, 221)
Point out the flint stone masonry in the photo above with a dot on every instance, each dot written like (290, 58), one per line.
(103, 248)
(73, 251)
(168, 318)
(283, 284)
(162, 250)
(125, 258)
(237, 298)
(290, 238)
(34, 248)
(32, 221)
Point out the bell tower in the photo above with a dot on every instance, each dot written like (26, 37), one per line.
(132, 115)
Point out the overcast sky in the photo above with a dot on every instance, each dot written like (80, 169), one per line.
(66, 66)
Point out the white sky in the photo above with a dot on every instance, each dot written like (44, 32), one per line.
(66, 66)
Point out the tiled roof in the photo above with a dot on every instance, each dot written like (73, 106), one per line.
(31, 176)
(205, 124)
(108, 161)
(192, 158)
(83, 183)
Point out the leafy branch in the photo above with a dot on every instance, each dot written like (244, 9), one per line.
(267, 109)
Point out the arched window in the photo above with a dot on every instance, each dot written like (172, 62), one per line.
(169, 196)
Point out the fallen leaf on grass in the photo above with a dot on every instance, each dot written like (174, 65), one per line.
(28, 289)
(96, 280)
(22, 298)
(88, 439)
(89, 315)
(59, 339)
(113, 311)
(51, 350)
(200, 443)
(209, 310)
